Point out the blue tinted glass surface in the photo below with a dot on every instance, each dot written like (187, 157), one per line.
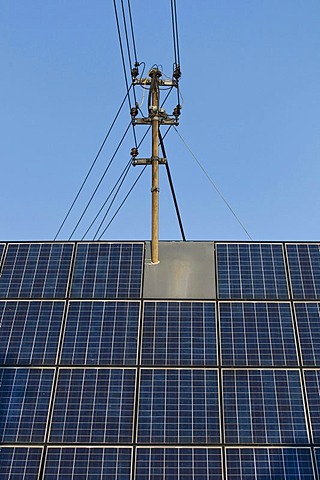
(179, 333)
(304, 269)
(1, 251)
(24, 402)
(312, 380)
(101, 333)
(35, 270)
(20, 463)
(178, 406)
(257, 334)
(308, 320)
(317, 455)
(251, 271)
(178, 464)
(88, 463)
(269, 464)
(93, 406)
(263, 406)
(107, 270)
(29, 332)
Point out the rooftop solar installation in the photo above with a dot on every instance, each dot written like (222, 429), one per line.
(304, 268)
(179, 333)
(88, 463)
(269, 463)
(94, 406)
(251, 271)
(29, 332)
(263, 406)
(101, 333)
(20, 463)
(108, 270)
(257, 334)
(308, 321)
(35, 270)
(178, 464)
(178, 406)
(24, 403)
(312, 380)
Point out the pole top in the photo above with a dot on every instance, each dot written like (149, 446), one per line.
(155, 72)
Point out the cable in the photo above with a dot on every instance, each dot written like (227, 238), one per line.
(132, 34)
(100, 181)
(177, 38)
(213, 184)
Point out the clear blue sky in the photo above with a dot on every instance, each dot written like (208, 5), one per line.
(251, 114)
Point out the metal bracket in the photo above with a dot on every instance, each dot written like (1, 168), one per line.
(148, 161)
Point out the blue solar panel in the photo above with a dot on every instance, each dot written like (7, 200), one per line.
(312, 380)
(263, 406)
(179, 333)
(24, 402)
(19, 463)
(29, 332)
(88, 463)
(178, 464)
(304, 269)
(257, 334)
(269, 464)
(36, 270)
(2, 247)
(251, 271)
(108, 270)
(308, 320)
(101, 333)
(94, 406)
(178, 406)
(317, 455)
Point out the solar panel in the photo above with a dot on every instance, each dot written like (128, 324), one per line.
(29, 332)
(179, 333)
(107, 270)
(19, 463)
(317, 455)
(263, 406)
(2, 247)
(93, 406)
(101, 333)
(36, 270)
(304, 269)
(251, 271)
(312, 381)
(178, 464)
(178, 406)
(308, 320)
(269, 463)
(88, 463)
(257, 334)
(24, 402)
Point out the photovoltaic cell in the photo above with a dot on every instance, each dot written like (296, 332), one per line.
(19, 463)
(308, 320)
(29, 332)
(304, 268)
(178, 406)
(178, 464)
(317, 455)
(24, 402)
(101, 333)
(36, 270)
(269, 464)
(2, 246)
(93, 406)
(257, 334)
(107, 270)
(179, 333)
(263, 406)
(88, 463)
(312, 381)
(251, 271)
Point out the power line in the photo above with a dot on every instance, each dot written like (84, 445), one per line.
(214, 185)
(132, 34)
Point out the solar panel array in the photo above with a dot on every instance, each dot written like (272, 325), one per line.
(97, 382)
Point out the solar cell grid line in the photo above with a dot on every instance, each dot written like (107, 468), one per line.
(180, 463)
(251, 271)
(36, 270)
(257, 334)
(24, 403)
(108, 270)
(108, 463)
(179, 333)
(178, 406)
(20, 463)
(269, 463)
(304, 270)
(93, 405)
(312, 385)
(263, 406)
(308, 323)
(29, 331)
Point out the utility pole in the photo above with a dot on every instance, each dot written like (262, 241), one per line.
(156, 116)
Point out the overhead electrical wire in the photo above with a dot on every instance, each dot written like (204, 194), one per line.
(132, 34)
